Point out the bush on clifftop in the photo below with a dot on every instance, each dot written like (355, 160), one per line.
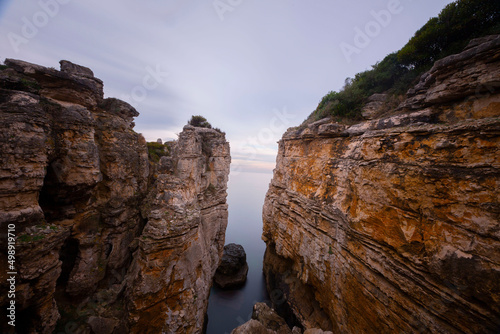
(441, 36)
(199, 122)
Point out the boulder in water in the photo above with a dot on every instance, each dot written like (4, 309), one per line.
(233, 269)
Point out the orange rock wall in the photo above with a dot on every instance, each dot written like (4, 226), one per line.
(394, 223)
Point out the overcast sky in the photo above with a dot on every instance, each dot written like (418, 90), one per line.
(252, 68)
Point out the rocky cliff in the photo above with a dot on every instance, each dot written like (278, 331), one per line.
(107, 241)
(182, 243)
(393, 225)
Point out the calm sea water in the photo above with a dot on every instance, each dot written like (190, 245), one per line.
(229, 309)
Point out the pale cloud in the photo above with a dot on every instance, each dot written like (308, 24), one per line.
(263, 56)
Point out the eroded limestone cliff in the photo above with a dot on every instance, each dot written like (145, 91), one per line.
(182, 243)
(107, 242)
(393, 225)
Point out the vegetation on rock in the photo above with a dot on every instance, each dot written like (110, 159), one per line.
(157, 150)
(450, 32)
(441, 36)
(199, 122)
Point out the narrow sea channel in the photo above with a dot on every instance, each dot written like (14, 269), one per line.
(229, 309)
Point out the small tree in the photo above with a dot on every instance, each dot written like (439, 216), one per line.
(199, 122)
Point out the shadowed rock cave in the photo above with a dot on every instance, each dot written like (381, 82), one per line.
(68, 255)
(55, 199)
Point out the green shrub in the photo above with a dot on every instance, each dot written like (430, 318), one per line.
(449, 33)
(386, 76)
(157, 150)
(30, 238)
(218, 130)
(30, 84)
(199, 122)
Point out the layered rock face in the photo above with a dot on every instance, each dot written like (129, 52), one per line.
(89, 208)
(392, 225)
(183, 240)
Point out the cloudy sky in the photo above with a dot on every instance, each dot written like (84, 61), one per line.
(252, 68)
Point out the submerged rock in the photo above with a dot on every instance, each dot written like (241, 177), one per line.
(233, 269)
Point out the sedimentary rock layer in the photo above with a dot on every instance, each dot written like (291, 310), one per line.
(104, 237)
(392, 225)
(183, 240)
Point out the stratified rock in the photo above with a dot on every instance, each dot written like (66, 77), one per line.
(98, 235)
(233, 269)
(392, 225)
(71, 180)
(473, 73)
(374, 107)
(121, 109)
(182, 243)
(64, 87)
(76, 70)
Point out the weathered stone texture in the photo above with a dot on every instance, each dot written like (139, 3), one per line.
(182, 242)
(76, 181)
(265, 320)
(72, 178)
(375, 106)
(393, 224)
(472, 74)
(233, 268)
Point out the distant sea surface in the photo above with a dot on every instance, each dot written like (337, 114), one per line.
(229, 309)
